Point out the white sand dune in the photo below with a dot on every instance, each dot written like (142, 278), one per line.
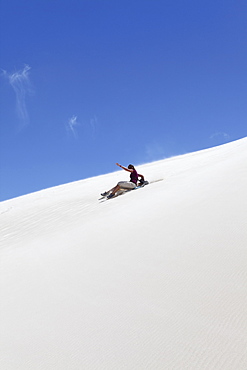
(153, 279)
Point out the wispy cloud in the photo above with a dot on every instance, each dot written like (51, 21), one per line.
(93, 124)
(220, 136)
(21, 85)
(89, 127)
(154, 151)
(71, 126)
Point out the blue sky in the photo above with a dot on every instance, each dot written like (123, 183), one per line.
(87, 83)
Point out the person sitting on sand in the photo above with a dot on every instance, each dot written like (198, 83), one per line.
(128, 185)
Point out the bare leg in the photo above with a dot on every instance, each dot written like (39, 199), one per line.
(111, 191)
(115, 189)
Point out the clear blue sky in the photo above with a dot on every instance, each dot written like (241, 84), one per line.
(87, 83)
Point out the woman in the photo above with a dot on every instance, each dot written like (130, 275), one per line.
(125, 184)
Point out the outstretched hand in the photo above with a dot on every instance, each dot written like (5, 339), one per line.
(119, 165)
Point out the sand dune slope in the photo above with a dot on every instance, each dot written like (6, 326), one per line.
(153, 279)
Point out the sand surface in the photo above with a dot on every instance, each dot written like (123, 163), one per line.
(153, 279)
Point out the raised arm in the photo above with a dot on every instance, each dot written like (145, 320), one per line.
(125, 168)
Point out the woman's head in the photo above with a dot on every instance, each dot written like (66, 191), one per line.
(131, 167)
